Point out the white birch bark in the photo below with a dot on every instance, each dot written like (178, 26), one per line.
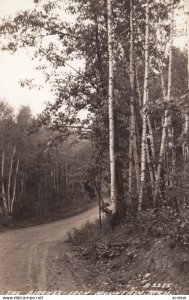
(166, 116)
(14, 188)
(150, 165)
(163, 85)
(144, 110)
(111, 110)
(9, 180)
(130, 160)
(136, 159)
(4, 203)
(152, 146)
(2, 175)
(138, 89)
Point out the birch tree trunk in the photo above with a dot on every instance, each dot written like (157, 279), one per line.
(133, 140)
(138, 87)
(152, 146)
(3, 199)
(57, 182)
(130, 160)
(14, 188)
(163, 84)
(166, 116)
(111, 110)
(3, 186)
(131, 101)
(144, 110)
(150, 150)
(150, 164)
(9, 180)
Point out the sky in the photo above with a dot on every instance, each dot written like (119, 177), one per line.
(19, 66)
(14, 68)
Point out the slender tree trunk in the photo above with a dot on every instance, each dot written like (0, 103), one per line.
(148, 117)
(138, 87)
(9, 180)
(3, 186)
(66, 176)
(151, 139)
(150, 165)
(163, 85)
(111, 110)
(2, 205)
(166, 116)
(132, 125)
(120, 197)
(57, 183)
(54, 178)
(14, 188)
(46, 191)
(144, 110)
(130, 159)
(3, 199)
(22, 189)
(150, 146)
(133, 140)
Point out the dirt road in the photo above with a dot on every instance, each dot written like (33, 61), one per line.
(24, 253)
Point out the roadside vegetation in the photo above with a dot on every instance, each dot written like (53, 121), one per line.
(145, 254)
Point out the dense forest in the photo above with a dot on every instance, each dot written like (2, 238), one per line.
(133, 145)
(39, 179)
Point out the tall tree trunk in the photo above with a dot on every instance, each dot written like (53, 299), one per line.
(2, 183)
(57, 182)
(138, 87)
(166, 116)
(150, 165)
(14, 188)
(111, 110)
(150, 150)
(163, 84)
(133, 140)
(152, 146)
(144, 110)
(9, 180)
(130, 159)
(2, 199)
(120, 199)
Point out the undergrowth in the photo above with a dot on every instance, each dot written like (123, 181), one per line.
(165, 222)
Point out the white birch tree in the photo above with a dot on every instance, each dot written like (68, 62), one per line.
(167, 98)
(111, 109)
(144, 110)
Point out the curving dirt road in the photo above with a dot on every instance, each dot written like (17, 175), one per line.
(24, 252)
